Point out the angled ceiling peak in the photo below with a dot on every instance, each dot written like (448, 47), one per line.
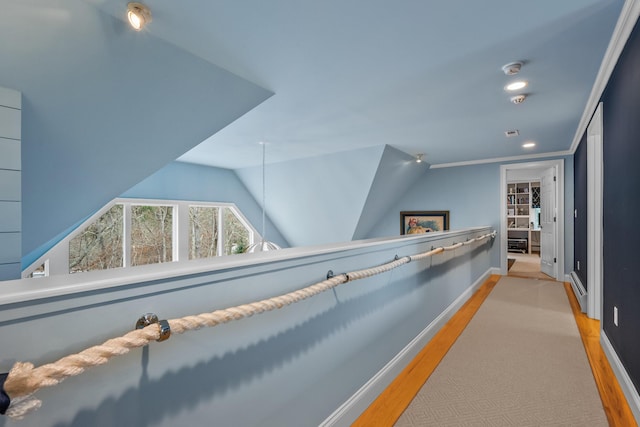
(397, 172)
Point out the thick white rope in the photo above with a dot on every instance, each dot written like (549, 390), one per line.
(24, 379)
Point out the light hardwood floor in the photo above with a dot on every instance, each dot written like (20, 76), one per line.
(388, 407)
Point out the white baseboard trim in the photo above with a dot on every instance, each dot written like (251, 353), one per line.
(350, 410)
(629, 390)
(495, 270)
(578, 290)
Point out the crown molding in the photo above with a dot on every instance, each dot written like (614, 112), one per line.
(554, 154)
(624, 27)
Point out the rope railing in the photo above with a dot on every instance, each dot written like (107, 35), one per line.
(24, 379)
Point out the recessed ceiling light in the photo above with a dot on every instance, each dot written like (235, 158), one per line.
(515, 85)
(528, 145)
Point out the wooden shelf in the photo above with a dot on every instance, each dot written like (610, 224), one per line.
(520, 212)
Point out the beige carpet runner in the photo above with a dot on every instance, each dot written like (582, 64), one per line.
(519, 362)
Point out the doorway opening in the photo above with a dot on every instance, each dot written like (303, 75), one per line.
(532, 222)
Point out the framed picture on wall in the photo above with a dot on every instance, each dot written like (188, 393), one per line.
(418, 222)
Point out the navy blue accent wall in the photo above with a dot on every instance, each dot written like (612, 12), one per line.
(621, 108)
(580, 204)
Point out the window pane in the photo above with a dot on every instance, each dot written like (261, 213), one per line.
(151, 234)
(203, 232)
(236, 235)
(99, 246)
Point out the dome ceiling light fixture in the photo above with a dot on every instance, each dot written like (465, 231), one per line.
(512, 68)
(138, 15)
(529, 144)
(419, 157)
(518, 99)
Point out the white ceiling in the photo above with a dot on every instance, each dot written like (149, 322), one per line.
(422, 76)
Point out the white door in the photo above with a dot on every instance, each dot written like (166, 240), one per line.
(548, 254)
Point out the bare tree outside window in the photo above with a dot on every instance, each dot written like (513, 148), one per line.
(151, 234)
(236, 234)
(214, 230)
(203, 232)
(99, 246)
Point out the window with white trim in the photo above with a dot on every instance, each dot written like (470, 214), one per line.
(132, 232)
(99, 245)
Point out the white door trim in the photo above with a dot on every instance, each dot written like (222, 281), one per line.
(548, 222)
(594, 215)
(560, 211)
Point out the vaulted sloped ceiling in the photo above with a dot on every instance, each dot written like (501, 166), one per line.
(103, 107)
(332, 198)
(396, 173)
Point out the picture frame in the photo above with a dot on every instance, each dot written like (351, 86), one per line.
(418, 222)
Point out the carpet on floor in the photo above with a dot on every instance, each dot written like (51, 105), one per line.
(519, 362)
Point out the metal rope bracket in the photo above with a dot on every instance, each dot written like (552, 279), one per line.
(151, 318)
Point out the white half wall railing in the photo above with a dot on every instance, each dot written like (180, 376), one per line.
(40, 298)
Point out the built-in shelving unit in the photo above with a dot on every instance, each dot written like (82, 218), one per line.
(523, 209)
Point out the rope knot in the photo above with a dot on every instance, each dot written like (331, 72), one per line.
(21, 380)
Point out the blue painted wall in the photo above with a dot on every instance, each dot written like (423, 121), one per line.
(568, 214)
(396, 174)
(103, 107)
(621, 132)
(316, 200)
(580, 222)
(333, 198)
(186, 181)
(472, 195)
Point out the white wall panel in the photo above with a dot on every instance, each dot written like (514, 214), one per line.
(10, 271)
(10, 217)
(10, 98)
(10, 185)
(10, 245)
(10, 157)
(10, 123)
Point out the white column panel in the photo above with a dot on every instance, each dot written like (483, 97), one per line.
(10, 217)
(10, 123)
(10, 184)
(9, 242)
(11, 157)
(10, 271)
(10, 98)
